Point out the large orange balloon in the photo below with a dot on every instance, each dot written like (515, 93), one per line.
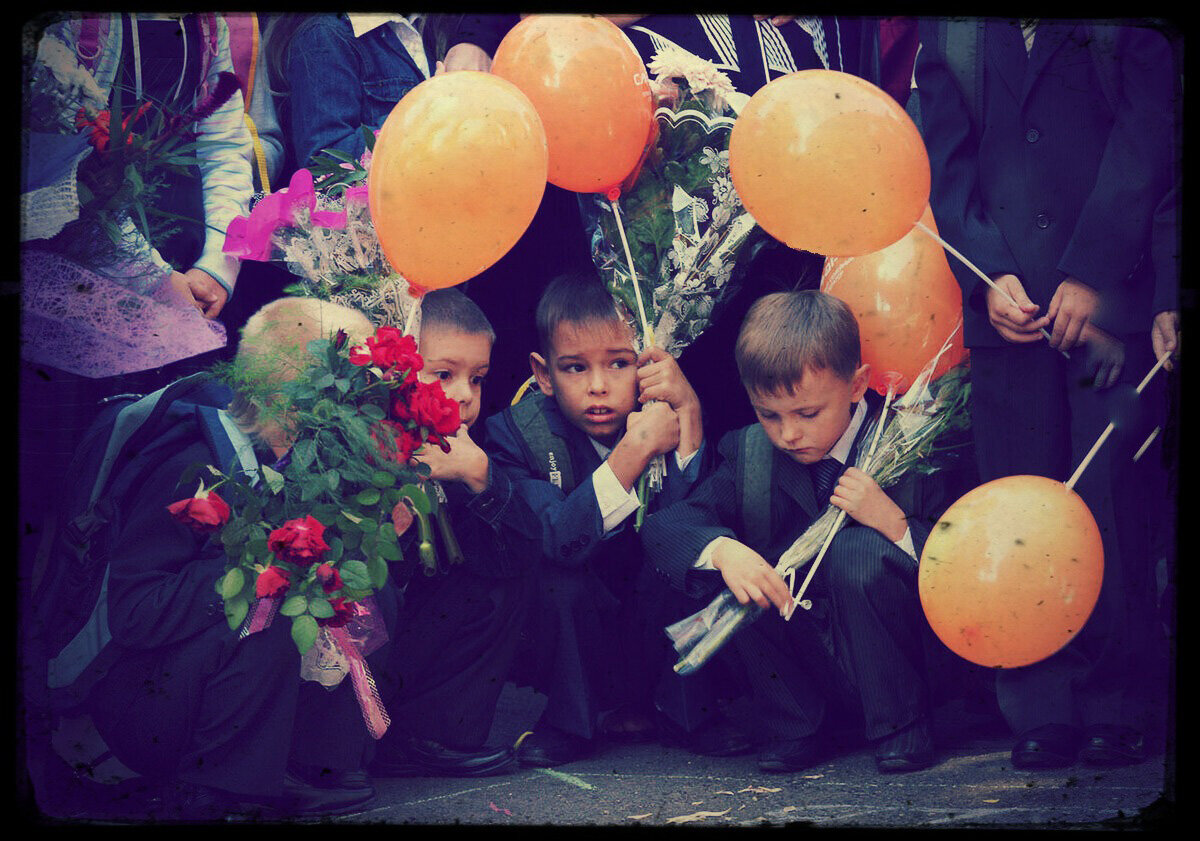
(457, 174)
(829, 163)
(907, 304)
(591, 89)
(1011, 571)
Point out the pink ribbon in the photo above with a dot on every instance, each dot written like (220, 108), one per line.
(374, 715)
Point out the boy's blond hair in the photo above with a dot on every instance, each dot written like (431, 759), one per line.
(786, 334)
(274, 348)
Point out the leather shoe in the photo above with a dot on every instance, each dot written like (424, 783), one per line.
(322, 777)
(1048, 746)
(547, 746)
(908, 749)
(303, 798)
(426, 758)
(717, 738)
(791, 754)
(1109, 744)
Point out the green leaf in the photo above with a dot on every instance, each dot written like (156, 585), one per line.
(382, 479)
(387, 551)
(303, 453)
(332, 479)
(377, 572)
(273, 478)
(368, 526)
(294, 605)
(343, 384)
(368, 497)
(336, 547)
(235, 611)
(372, 411)
(337, 153)
(355, 574)
(320, 608)
(234, 581)
(304, 632)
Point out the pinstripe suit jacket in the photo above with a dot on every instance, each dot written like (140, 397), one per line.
(674, 537)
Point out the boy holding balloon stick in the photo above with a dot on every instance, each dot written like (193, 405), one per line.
(862, 642)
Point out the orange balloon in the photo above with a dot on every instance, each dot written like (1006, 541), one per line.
(457, 174)
(829, 163)
(590, 87)
(907, 303)
(1012, 571)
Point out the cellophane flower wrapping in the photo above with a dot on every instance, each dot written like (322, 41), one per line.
(683, 219)
(927, 421)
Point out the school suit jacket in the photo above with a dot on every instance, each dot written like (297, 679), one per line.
(1057, 181)
(572, 527)
(675, 536)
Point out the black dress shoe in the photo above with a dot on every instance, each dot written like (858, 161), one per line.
(908, 749)
(548, 746)
(322, 777)
(303, 798)
(1048, 746)
(792, 754)
(718, 738)
(1109, 744)
(426, 758)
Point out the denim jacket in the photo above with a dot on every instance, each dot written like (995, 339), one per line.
(339, 83)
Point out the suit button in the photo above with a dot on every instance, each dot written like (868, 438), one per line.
(1042, 220)
(1032, 135)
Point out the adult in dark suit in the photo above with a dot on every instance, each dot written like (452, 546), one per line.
(1049, 144)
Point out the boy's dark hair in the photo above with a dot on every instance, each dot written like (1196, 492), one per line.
(573, 298)
(787, 333)
(451, 308)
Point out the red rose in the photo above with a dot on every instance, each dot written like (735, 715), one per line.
(205, 512)
(405, 442)
(299, 541)
(271, 582)
(340, 338)
(394, 352)
(343, 612)
(360, 355)
(329, 577)
(429, 406)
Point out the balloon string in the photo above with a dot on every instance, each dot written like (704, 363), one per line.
(1109, 429)
(981, 275)
(637, 290)
(837, 524)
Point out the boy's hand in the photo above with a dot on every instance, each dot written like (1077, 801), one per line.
(1164, 336)
(1074, 304)
(749, 577)
(651, 431)
(862, 499)
(465, 462)
(661, 378)
(1014, 324)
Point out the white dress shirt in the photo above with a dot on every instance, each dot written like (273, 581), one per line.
(405, 28)
(615, 502)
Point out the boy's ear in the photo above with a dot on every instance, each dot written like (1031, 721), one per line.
(860, 381)
(541, 373)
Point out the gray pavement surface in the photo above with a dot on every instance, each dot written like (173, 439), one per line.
(973, 784)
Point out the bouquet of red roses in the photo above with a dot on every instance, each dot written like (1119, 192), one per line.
(311, 537)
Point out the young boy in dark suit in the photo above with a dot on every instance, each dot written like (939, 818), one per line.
(606, 413)
(799, 359)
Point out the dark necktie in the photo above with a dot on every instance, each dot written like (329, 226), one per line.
(825, 475)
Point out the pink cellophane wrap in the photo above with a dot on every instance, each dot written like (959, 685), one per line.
(94, 325)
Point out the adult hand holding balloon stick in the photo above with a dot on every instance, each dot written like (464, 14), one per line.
(457, 174)
(830, 163)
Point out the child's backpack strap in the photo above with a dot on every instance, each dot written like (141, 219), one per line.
(753, 480)
(545, 451)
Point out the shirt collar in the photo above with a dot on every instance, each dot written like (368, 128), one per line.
(841, 450)
(361, 24)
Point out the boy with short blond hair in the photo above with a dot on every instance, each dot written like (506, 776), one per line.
(575, 451)
(799, 358)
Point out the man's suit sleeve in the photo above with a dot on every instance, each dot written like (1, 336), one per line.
(1112, 231)
(571, 524)
(952, 142)
(674, 536)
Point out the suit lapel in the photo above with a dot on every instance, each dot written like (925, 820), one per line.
(795, 480)
(1005, 51)
(1046, 41)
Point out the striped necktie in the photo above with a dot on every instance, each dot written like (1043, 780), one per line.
(825, 474)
